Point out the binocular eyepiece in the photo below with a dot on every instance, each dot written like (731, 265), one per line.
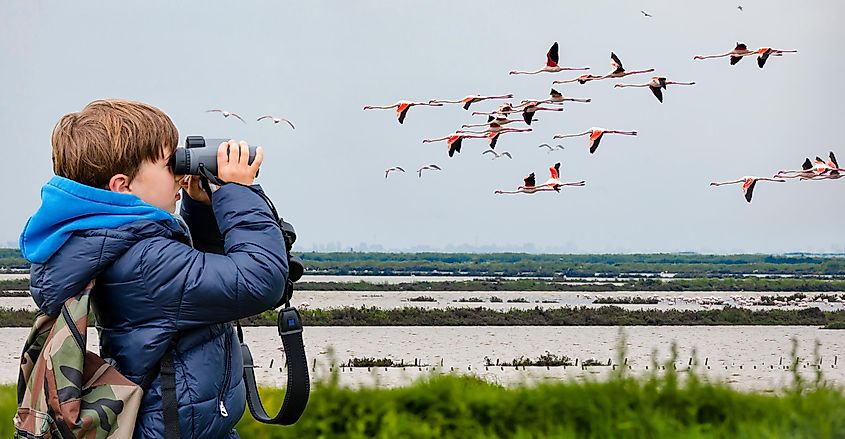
(199, 156)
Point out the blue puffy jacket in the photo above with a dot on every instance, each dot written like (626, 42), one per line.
(153, 285)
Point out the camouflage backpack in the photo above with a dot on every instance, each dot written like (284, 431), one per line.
(66, 392)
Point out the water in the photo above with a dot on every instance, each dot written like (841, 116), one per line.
(463, 349)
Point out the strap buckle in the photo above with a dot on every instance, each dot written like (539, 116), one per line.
(289, 321)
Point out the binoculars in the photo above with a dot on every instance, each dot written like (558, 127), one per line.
(199, 156)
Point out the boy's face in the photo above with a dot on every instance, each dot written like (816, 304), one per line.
(155, 184)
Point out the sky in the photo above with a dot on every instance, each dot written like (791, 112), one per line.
(318, 63)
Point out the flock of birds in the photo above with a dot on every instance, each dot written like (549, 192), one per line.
(498, 120)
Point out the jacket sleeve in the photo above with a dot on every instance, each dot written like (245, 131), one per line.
(205, 288)
(202, 224)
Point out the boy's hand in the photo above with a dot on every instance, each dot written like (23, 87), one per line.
(233, 162)
(191, 185)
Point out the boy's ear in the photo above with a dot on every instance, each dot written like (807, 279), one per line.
(119, 183)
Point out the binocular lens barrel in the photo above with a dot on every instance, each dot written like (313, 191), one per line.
(199, 152)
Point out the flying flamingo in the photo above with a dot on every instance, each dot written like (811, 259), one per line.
(556, 97)
(493, 133)
(453, 141)
(619, 71)
(807, 171)
(393, 169)
(748, 183)
(496, 155)
(740, 51)
(528, 187)
(401, 107)
(551, 148)
(764, 53)
(500, 120)
(551, 66)
(469, 100)
(226, 113)
(431, 167)
(554, 179)
(276, 120)
(532, 107)
(656, 84)
(595, 136)
(583, 79)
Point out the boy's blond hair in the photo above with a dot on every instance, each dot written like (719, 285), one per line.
(108, 137)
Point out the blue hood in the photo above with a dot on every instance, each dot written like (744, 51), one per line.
(68, 206)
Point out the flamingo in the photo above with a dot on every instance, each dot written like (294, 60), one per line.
(532, 107)
(493, 137)
(551, 66)
(595, 136)
(500, 120)
(655, 84)
(453, 141)
(401, 107)
(748, 183)
(740, 51)
(764, 53)
(619, 71)
(431, 167)
(275, 120)
(226, 113)
(528, 187)
(546, 145)
(556, 97)
(583, 79)
(553, 184)
(496, 155)
(393, 169)
(469, 100)
(554, 179)
(807, 171)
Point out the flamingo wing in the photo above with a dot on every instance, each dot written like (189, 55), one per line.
(529, 180)
(807, 164)
(494, 138)
(552, 57)
(554, 171)
(528, 116)
(761, 59)
(454, 145)
(833, 160)
(595, 138)
(555, 94)
(658, 93)
(469, 101)
(616, 63)
(748, 188)
(402, 111)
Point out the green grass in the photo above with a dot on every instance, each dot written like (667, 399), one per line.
(460, 407)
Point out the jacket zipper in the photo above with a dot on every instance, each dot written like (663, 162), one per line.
(228, 370)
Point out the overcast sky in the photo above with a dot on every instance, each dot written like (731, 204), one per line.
(318, 62)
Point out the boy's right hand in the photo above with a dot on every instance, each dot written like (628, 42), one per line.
(233, 162)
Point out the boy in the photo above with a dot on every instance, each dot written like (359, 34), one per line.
(107, 214)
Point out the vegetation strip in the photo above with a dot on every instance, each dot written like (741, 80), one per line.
(574, 316)
(674, 404)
